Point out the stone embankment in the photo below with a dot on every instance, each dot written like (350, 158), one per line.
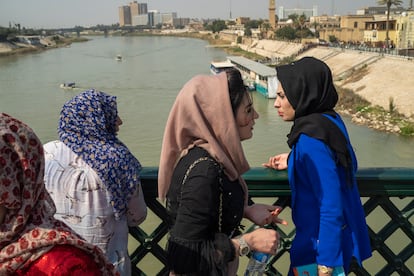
(11, 48)
(381, 80)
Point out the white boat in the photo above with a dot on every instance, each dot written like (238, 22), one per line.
(219, 66)
(257, 76)
(67, 85)
(118, 58)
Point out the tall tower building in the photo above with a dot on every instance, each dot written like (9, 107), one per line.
(124, 16)
(142, 8)
(134, 7)
(272, 14)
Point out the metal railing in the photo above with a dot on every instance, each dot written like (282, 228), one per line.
(387, 195)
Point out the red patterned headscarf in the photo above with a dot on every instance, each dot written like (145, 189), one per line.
(29, 229)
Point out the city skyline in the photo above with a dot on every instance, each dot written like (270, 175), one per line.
(66, 14)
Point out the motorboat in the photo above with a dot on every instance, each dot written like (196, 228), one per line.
(68, 85)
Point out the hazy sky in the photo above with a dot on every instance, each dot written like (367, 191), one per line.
(70, 13)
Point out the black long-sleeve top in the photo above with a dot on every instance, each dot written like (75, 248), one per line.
(196, 245)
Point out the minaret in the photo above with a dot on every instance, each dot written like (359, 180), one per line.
(272, 14)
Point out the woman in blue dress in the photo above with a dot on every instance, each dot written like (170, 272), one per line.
(326, 206)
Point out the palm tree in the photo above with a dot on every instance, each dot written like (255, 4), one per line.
(389, 3)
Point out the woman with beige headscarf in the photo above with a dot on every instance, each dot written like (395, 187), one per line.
(200, 170)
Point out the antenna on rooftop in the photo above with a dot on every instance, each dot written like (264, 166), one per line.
(333, 7)
(230, 9)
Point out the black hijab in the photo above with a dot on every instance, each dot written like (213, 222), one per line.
(310, 90)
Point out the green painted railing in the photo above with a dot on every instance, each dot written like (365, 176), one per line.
(387, 195)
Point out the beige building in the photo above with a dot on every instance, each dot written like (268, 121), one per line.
(375, 33)
(369, 27)
(351, 29)
(325, 21)
(134, 8)
(405, 30)
(127, 14)
(124, 16)
(242, 20)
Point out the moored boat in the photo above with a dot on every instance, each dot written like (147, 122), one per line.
(219, 66)
(257, 76)
(261, 77)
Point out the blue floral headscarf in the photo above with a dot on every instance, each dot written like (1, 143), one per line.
(87, 125)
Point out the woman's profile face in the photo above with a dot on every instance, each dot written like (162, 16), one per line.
(245, 116)
(284, 108)
(118, 123)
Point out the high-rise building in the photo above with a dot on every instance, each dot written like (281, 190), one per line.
(138, 8)
(142, 8)
(133, 6)
(124, 16)
(127, 14)
(285, 13)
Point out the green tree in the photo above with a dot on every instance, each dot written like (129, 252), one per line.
(286, 33)
(302, 21)
(388, 3)
(264, 28)
(333, 39)
(248, 32)
(252, 24)
(216, 26)
(304, 33)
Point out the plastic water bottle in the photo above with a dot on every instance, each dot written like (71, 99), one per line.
(257, 264)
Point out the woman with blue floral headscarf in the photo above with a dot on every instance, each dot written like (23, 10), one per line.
(92, 176)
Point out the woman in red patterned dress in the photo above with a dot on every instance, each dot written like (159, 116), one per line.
(32, 242)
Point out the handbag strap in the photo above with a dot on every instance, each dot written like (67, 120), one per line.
(205, 158)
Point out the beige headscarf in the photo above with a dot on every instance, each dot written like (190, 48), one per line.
(202, 116)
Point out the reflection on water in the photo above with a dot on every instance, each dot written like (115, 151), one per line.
(146, 81)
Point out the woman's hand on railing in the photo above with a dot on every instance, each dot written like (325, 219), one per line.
(277, 162)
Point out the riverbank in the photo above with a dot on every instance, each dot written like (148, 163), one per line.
(375, 91)
(9, 48)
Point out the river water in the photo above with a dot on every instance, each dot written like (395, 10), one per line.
(146, 81)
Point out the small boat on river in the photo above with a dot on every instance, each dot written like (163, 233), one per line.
(68, 85)
(118, 58)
